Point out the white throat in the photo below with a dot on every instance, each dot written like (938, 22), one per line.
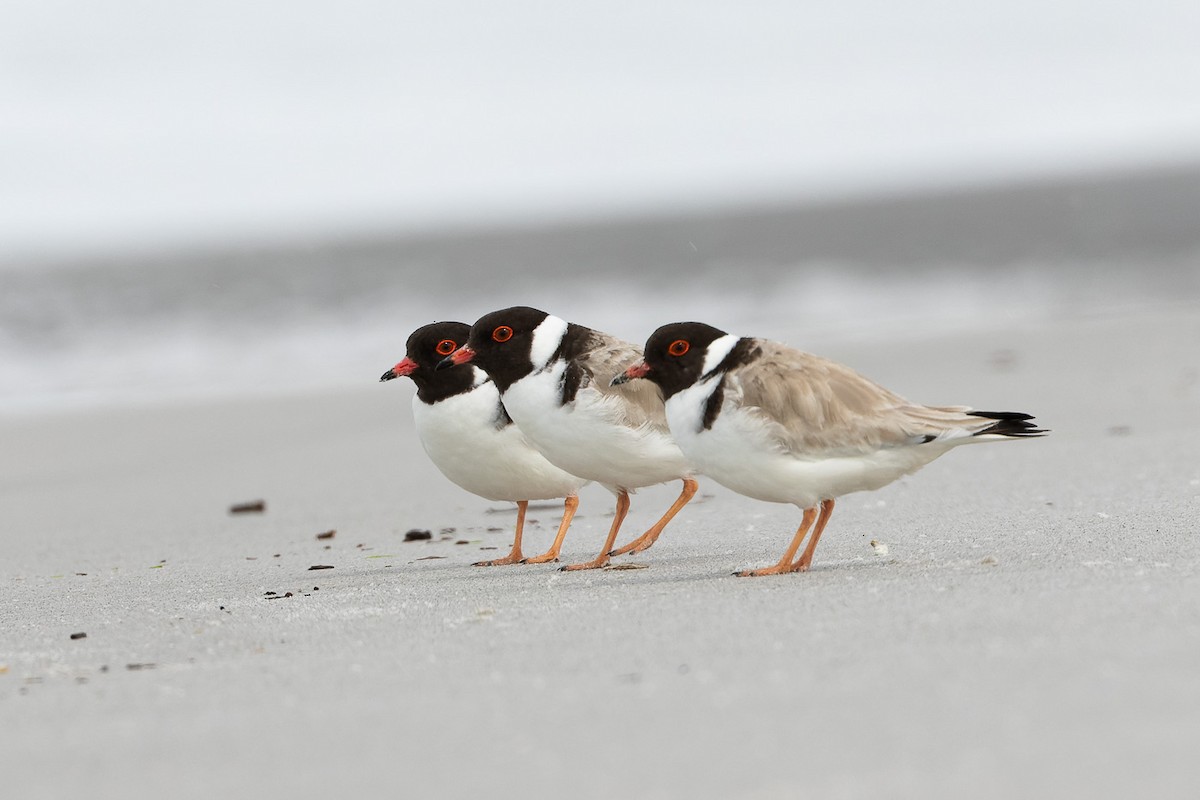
(546, 338)
(717, 351)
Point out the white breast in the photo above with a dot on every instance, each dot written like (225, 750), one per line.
(739, 453)
(589, 437)
(461, 438)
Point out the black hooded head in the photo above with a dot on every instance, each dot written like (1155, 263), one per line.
(675, 354)
(427, 346)
(502, 343)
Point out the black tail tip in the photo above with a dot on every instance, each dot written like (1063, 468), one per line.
(1009, 423)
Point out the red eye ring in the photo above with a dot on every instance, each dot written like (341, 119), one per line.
(445, 347)
(502, 333)
(678, 347)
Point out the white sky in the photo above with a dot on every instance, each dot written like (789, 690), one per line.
(135, 123)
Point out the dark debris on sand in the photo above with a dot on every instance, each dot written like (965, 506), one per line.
(252, 507)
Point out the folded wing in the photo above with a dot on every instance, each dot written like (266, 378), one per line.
(811, 406)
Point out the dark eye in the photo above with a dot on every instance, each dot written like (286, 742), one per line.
(502, 334)
(445, 347)
(678, 347)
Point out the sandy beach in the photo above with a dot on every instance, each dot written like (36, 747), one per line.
(1032, 629)
(219, 224)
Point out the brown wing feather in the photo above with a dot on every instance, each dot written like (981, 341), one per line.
(812, 405)
(604, 358)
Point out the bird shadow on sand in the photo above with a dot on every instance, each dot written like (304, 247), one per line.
(644, 571)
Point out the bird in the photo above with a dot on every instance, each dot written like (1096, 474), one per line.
(555, 380)
(785, 426)
(471, 439)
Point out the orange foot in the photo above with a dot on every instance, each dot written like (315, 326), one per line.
(636, 546)
(514, 555)
(648, 538)
(542, 559)
(778, 569)
(597, 563)
(511, 558)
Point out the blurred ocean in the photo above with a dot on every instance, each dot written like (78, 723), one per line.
(301, 316)
(229, 198)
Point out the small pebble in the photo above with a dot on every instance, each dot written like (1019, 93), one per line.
(416, 535)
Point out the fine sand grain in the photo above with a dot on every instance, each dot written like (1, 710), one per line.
(1032, 627)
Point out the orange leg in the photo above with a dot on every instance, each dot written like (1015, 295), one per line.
(785, 563)
(648, 538)
(514, 556)
(570, 503)
(806, 560)
(602, 559)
